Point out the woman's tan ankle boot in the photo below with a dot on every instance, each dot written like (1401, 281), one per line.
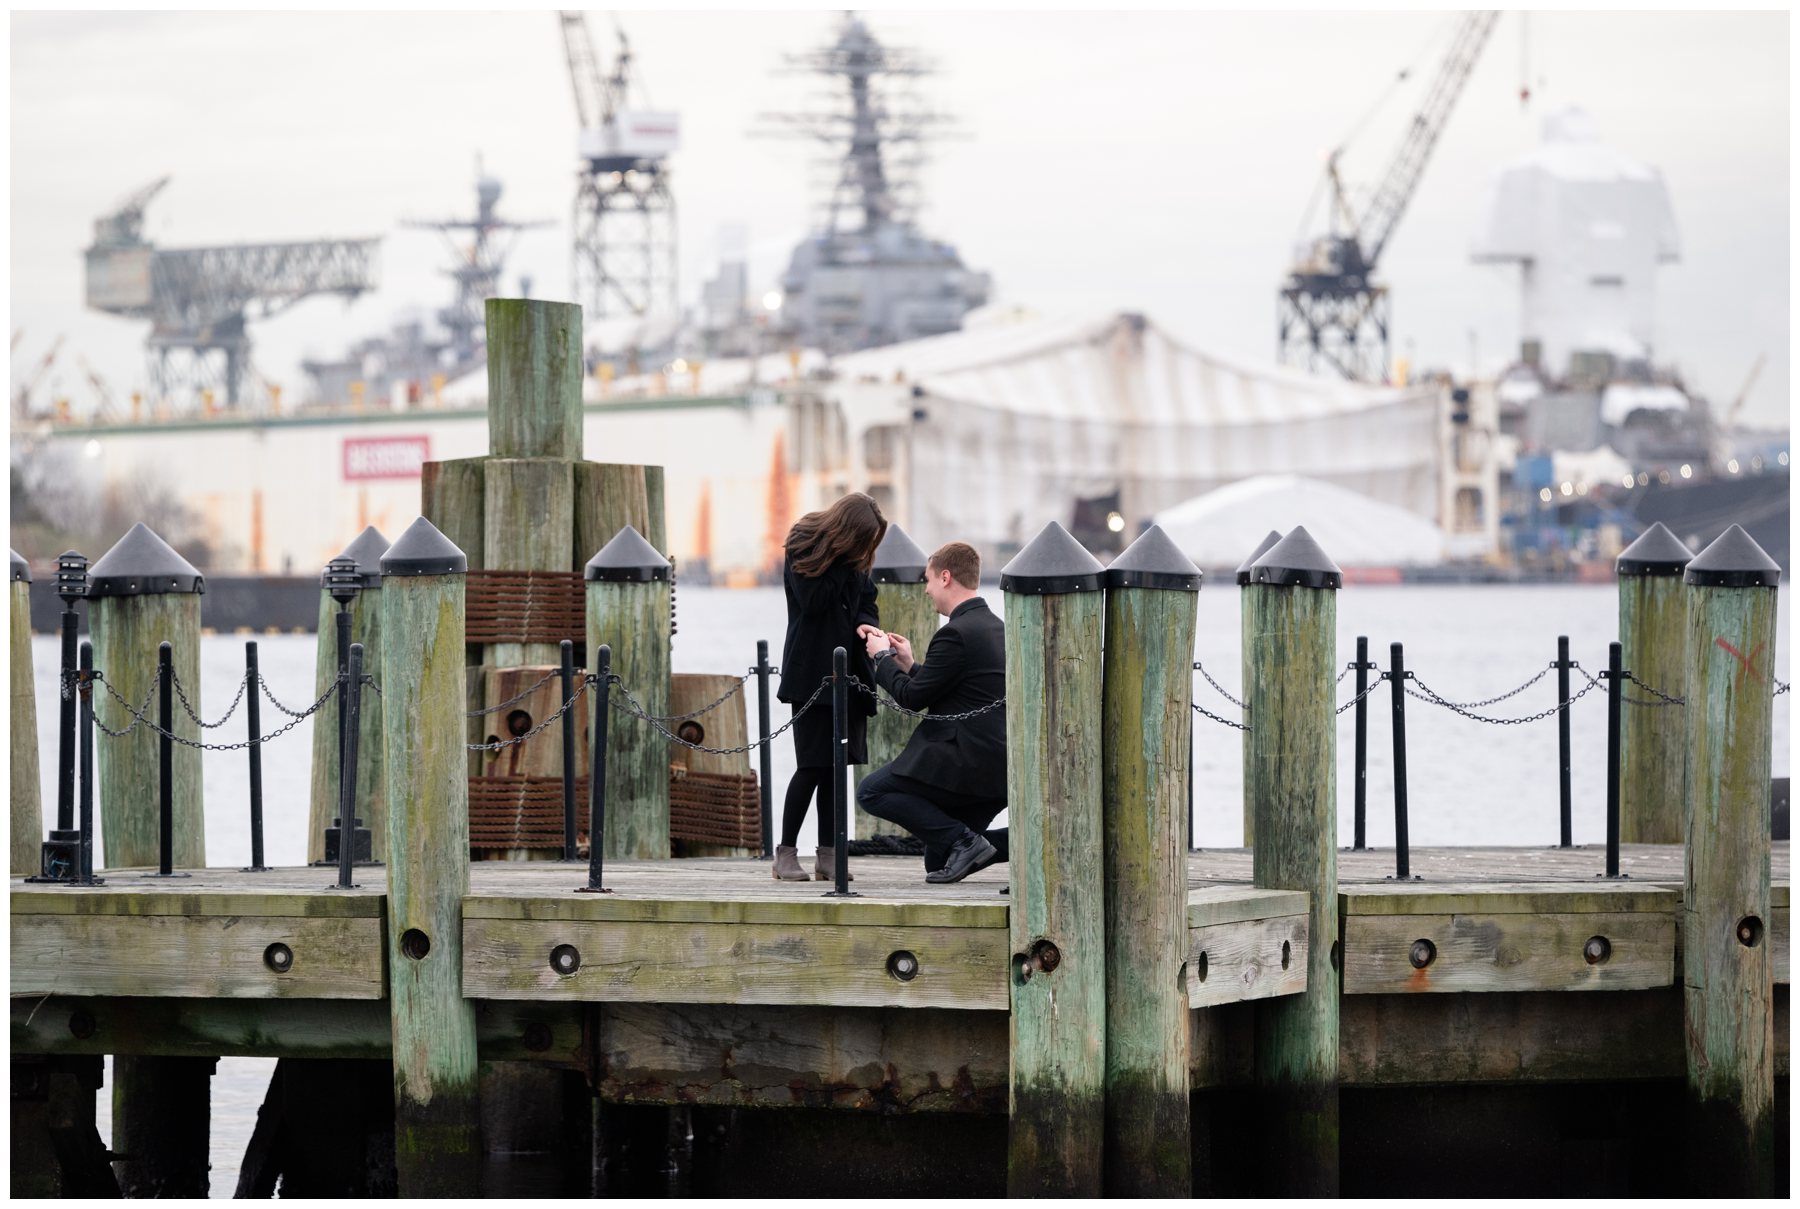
(787, 864)
(825, 866)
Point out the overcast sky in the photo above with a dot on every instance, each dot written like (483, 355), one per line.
(1159, 162)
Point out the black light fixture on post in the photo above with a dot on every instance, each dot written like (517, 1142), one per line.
(60, 859)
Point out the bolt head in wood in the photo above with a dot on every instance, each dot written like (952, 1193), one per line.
(565, 959)
(1422, 953)
(1596, 950)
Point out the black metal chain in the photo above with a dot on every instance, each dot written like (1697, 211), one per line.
(1426, 694)
(705, 709)
(1662, 698)
(1348, 668)
(494, 709)
(1780, 688)
(370, 681)
(1202, 710)
(137, 714)
(1380, 679)
(1491, 700)
(889, 703)
(182, 696)
(625, 703)
(277, 704)
(138, 717)
(1219, 688)
(587, 683)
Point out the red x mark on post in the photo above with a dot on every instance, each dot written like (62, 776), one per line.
(1746, 666)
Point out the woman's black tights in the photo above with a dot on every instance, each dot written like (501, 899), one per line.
(807, 784)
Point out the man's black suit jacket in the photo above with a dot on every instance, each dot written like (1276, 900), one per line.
(963, 669)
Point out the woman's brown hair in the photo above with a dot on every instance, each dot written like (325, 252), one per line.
(850, 528)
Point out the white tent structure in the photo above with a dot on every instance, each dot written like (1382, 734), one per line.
(986, 433)
(1221, 528)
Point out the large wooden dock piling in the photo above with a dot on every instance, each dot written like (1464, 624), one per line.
(437, 1117)
(628, 610)
(1054, 632)
(1653, 636)
(1293, 771)
(900, 599)
(1247, 591)
(27, 812)
(1728, 993)
(365, 628)
(1151, 608)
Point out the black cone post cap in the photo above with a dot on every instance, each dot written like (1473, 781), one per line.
(1153, 561)
(1733, 561)
(1051, 564)
(21, 570)
(898, 559)
(143, 564)
(1296, 561)
(367, 550)
(627, 559)
(1655, 552)
(423, 550)
(1263, 547)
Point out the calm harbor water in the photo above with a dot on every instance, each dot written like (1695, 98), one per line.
(1468, 783)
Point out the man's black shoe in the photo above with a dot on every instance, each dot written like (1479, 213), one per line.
(968, 854)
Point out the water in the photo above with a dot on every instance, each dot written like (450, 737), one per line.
(1468, 783)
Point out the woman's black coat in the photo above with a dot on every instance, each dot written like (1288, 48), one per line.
(823, 612)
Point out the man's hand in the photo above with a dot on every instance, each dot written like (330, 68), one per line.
(875, 639)
(903, 656)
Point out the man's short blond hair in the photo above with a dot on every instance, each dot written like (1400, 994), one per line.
(958, 558)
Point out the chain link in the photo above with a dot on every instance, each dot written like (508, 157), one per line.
(1780, 688)
(1220, 689)
(889, 703)
(1425, 693)
(1466, 705)
(625, 703)
(705, 709)
(1348, 668)
(1662, 698)
(138, 716)
(587, 682)
(494, 709)
(277, 704)
(370, 681)
(1202, 710)
(1380, 679)
(182, 696)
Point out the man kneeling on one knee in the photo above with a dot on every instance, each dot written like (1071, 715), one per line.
(949, 782)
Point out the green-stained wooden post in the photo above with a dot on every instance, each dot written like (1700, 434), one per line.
(437, 1117)
(1727, 976)
(628, 610)
(1653, 635)
(1151, 605)
(453, 497)
(900, 598)
(534, 380)
(27, 804)
(371, 768)
(1056, 1100)
(656, 508)
(140, 595)
(1293, 776)
(1246, 595)
(608, 497)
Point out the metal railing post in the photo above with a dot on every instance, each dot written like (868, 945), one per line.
(597, 773)
(1397, 671)
(768, 772)
(1361, 788)
(86, 861)
(350, 717)
(1567, 833)
(65, 722)
(840, 772)
(1615, 693)
(568, 748)
(253, 706)
(165, 764)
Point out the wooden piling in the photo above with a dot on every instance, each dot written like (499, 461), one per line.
(27, 801)
(1151, 592)
(437, 1116)
(371, 768)
(162, 1125)
(1246, 594)
(1727, 981)
(530, 526)
(1056, 1098)
(534, 379)
(1292, 777)
(1653, 634)
(628, 610)
(453, 497)
(900, 599)
(141, 593)
(608, 497)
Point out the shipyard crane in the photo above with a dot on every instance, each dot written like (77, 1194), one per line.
(22, 394)
(1332, 312)
(199, 301)
(624, 252)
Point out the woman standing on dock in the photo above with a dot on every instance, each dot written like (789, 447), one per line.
(829, 597)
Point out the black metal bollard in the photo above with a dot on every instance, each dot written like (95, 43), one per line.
(1361, 788)
(86, 861)
(253, 706)
(768, 772)
(597, 773)
(568, 751)
(65, 721)
(1397, 671)
(1615, 693)
(351, 716)
(1562, 737)
(165, 764)
(840, 772)
(1190, 783)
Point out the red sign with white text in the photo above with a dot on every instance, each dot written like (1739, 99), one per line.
(385, 457)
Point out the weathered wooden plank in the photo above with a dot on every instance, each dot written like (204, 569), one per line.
(534, 378)
(732, 907)
(1778, 943)
(866, 1059)
(126, 633)
(1246, 959)
(1234, 904)
(633, 619)
(735, 963)
(212, 956)
(1512, 952)
(1502, 898)
(1652, 741)
(371, 807)
(529, 520)
(656, 521)
(453, 497)
(131, 894)
(27, 812)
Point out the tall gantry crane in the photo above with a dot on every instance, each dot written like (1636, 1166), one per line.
(200, 300)
(625, 250)
(1331, 312)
